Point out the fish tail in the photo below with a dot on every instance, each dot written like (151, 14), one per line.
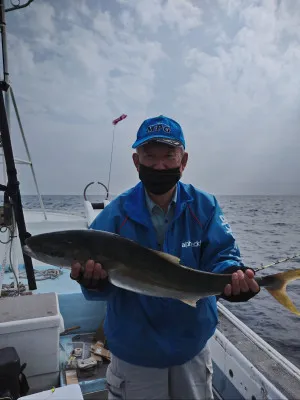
(276, 286)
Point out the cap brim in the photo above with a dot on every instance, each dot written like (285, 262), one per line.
(166, 140)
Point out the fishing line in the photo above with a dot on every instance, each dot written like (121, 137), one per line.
(277, 262)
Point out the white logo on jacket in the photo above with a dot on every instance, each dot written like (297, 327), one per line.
(197, 243)
(225, 223)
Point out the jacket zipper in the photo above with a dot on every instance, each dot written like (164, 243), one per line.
(165, 245)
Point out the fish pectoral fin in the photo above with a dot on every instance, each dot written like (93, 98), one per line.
(192, 303)
(279, 292)
(110, 265)
(167, 256)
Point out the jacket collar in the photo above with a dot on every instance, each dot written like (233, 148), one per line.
(136, 208)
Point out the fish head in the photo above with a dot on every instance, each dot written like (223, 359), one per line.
(58, 248)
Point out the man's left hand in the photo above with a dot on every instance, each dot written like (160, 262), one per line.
(241, 282)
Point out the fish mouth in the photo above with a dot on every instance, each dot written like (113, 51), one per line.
(27, 250)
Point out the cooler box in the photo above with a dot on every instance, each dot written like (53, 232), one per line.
(31, 324)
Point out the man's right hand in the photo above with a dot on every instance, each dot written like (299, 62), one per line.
(93, 272)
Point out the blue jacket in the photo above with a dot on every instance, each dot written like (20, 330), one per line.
(160, 332)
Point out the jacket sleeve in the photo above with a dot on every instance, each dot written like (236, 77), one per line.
(221, 253)
(219, 248)
(105, 221)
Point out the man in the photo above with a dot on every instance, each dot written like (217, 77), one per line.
(158, 345)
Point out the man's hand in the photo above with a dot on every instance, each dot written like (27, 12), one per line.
(241, 282)
(93, 272)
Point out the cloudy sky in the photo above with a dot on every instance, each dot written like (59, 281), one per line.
(226, 70)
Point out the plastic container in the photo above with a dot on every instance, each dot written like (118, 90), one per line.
(70, 392)
(31, 324)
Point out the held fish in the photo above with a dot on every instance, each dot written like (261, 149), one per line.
(143, 270)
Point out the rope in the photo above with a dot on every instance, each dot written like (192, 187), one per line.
(3, 267)
(8, 289)
(11, 229)
(50, 273)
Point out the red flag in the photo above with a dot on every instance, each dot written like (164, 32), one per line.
(115, 121)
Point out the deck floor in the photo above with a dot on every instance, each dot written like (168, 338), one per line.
(92, 383)
(276, 373)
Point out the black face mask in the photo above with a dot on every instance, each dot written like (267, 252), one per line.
(159, 181)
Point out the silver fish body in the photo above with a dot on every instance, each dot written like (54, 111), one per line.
(128, 264)
(142, 270)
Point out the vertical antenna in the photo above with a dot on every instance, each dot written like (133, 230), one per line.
(115, 122)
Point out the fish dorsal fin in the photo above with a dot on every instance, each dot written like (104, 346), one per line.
(167, 256)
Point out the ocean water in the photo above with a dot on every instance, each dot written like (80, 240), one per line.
(267, 228)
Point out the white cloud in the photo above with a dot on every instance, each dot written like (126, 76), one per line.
(181, 15)
(245, 94)
(78, 69)
(71, 80)
(227, 71)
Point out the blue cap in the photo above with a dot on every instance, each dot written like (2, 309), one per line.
(161, 129)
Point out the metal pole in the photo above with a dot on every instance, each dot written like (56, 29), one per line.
(10, 92)
(5, 68)
(27, 150)
(13, 190)
(111, 154)
(10, 175)
(5, 61)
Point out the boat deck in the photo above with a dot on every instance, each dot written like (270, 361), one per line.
(93, 383)
(243, 363)
(285, 379)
